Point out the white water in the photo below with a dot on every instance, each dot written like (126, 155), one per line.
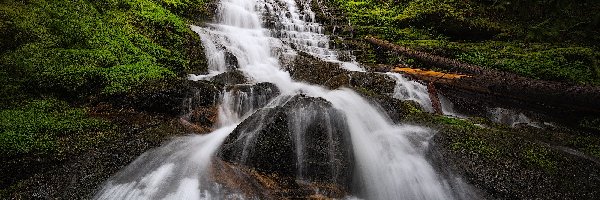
(412, 90)
(389, 158)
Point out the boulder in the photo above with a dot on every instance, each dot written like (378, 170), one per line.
(307, 68)
(305, 137)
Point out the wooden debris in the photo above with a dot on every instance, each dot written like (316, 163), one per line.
(435, 100)
(429, 73)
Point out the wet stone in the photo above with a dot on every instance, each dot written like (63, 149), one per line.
(305, 137)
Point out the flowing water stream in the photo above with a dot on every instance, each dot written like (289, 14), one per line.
(390, 161)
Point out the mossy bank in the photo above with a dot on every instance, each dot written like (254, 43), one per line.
(79, 77)
(548, 40)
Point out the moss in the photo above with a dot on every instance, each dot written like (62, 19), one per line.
(458, 123)
(593, 150)
(476, 145)
(587, 144)
(77, 48)
(540, 157)
(124, 77)
(590, 123)
(37, 127)
(364, 91)
(534, 40)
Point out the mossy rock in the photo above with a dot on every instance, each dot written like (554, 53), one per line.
(267, 142)
(166, 97)
(505, 164)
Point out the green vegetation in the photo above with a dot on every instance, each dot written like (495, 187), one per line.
(540, 156)
(458, 123)
(543, 39)
(76, 48)
(587, 144)
(42, 126)
(476, 145)
(58, 57)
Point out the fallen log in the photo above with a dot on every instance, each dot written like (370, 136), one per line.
(584, 98)
(429, 75)
(426, 58)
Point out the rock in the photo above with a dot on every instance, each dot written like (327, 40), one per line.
(307, 68)
(231, 61)
(230, 78)
(245, 98)
(202, 93)
(240, 179)
(305, 137)
(515, 163)
(171, 97)
(375, 82)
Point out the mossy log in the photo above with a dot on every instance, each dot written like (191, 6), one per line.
(426, 58)
(584, 98)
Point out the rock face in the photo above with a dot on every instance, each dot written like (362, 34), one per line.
(305, 137)
(245, 98)
(200, 106)
(171, 97)
(312, 70)
(230, 78)
(516, 163)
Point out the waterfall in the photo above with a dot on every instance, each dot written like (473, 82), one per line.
(390, 161)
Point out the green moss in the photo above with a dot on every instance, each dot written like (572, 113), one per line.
(540, 157)
(365, 91)
(77, 48)
(476, 145)
(590, 123)
(37, 127)
(124, 77)
(458, 123)
(549, 40)
(593, 150)
(587, 144)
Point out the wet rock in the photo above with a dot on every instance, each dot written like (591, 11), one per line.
(231, 61)
(306, 136)
(375, 82)
(201, 119)
(199, 108)
(245, 98)
(376, 87)
(165, 97)
(252, 184)
(514, 163)
(202, 93)
(307, 68)
(230, 78)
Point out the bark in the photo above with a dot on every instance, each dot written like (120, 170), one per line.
(435, 100)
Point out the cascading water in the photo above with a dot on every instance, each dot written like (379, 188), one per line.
(297, 28)
(412, 90)
(389, 161)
